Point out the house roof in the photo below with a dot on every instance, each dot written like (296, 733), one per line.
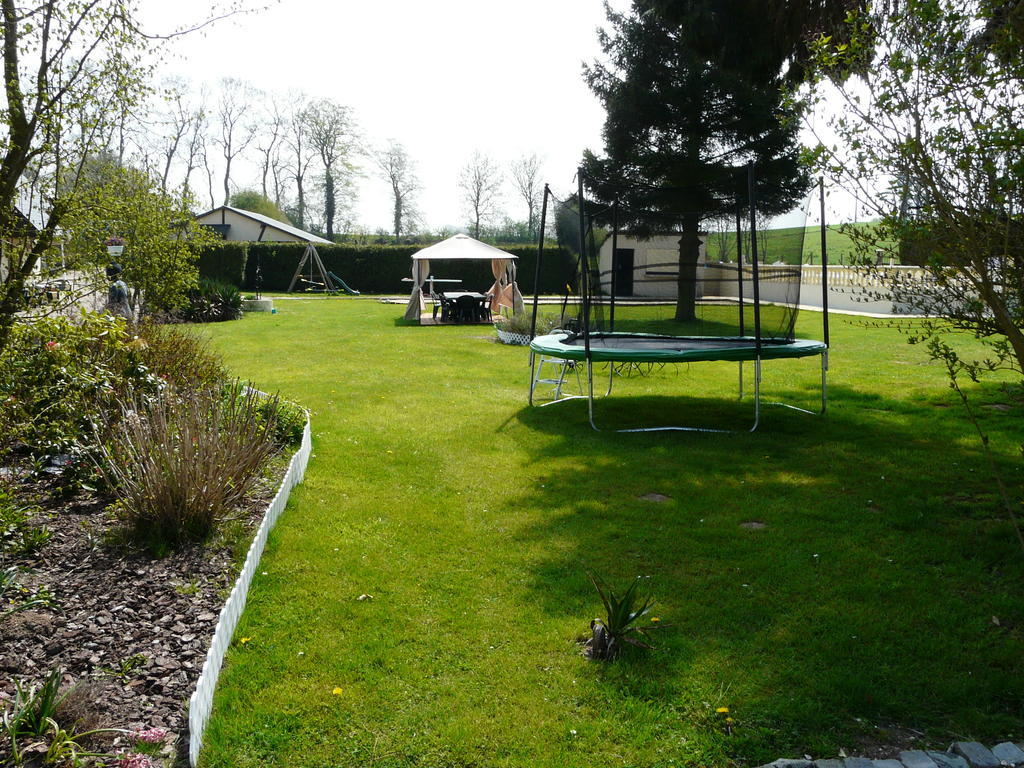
(26, 224)
(301, 234)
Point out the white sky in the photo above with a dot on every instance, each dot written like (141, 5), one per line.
(444, 78)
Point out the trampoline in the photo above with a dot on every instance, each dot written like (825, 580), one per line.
(651, 348)
(741, 310)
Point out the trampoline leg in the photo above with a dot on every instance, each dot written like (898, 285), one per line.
(561, 380)
(590, 394)
(824, 381)
(532, 375)
(740, 364)
(611, 378)
(757, 393)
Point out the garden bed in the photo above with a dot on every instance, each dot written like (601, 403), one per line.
(130, 630)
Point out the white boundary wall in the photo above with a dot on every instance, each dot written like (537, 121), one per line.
(201, 701)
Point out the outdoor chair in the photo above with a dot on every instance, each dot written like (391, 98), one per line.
(467, 309)
(445, 305)
(485, 309)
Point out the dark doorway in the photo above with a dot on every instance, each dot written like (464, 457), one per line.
(623, 266)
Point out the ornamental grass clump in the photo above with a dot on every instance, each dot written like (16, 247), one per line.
(180, 464)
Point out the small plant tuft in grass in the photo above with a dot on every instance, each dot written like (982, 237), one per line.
(621, 621)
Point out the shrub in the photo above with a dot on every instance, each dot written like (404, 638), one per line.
(282, 420)
(180, 464)
(212, 302)
(57, 380)
(286, 421)
(520, 323)
(180, 357)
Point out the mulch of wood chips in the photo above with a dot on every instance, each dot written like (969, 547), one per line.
(130, 631)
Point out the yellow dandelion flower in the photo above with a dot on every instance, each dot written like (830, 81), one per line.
(722, 710)
(729, 720)
(336, 691)
(655, 619)
(245, 640)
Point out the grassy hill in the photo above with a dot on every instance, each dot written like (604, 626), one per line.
(791, 245)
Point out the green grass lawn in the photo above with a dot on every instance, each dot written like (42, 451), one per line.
(883, 593)
(789, 243)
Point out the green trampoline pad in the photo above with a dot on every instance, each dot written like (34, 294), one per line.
(650, 348)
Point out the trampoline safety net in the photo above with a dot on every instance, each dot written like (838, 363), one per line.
(720, 260)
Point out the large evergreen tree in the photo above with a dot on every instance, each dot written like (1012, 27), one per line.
(761, 38)
(679, 128)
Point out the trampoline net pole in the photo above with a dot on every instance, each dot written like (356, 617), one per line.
(752, 202)
(540, 257)
(739, 266)
(585, 265)
(615, 264)
(824, 264)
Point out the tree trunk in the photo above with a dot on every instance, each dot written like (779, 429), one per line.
(13, 288)
(329, 203)
(227, 180)
(302, 202)
(686, 284)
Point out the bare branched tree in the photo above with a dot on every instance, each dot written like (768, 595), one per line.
(195, 142)
(300, 153)
(236, 129)
(526, 180)
(398, 169)
(272, 123)
(331, 134)
(480, 183)
(172, 126)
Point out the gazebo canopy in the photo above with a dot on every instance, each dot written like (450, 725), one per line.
(462, 248)
(504, 292)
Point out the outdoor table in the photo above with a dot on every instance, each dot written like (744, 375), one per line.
(453, 295)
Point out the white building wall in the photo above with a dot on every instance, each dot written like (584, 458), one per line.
(655, 264)
(244, 228)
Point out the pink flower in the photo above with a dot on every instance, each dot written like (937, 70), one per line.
(134, 760)
(150, 735)
(52, 344)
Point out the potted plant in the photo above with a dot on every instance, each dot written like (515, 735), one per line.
(115, 245)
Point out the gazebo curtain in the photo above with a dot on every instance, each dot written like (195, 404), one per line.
(505, 291)
(420, 270)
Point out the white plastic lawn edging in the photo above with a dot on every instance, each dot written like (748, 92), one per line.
(510, 337)
(201, 701)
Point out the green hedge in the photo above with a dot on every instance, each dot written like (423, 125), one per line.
(380, 268)
(224, 262)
